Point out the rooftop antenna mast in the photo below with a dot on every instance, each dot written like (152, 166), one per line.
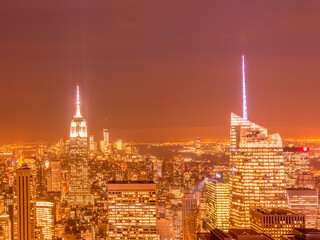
(78, 114)
(244, 94)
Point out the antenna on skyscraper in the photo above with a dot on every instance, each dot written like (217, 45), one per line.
(78, 94)
(244, 95)
(78, 114)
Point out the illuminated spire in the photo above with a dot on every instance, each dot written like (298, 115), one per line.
(244, 95)
(20, 161)
(78, 114)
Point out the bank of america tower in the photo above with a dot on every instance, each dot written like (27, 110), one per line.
(258, 174)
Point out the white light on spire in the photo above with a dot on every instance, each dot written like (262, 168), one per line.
(244, 95)
(78, 113)
(78, 94)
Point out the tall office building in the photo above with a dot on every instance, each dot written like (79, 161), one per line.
(106, 140)
(189, 216)
(92, 145)
(178, 171)
(296, 162)
(305, 201)
(119, 145)
(218, 202)
(24, 205)
(54, 179)
(132, 210)
(79, 190)
(258, 174)
(198, 145)
(45, 218)
(177, 221)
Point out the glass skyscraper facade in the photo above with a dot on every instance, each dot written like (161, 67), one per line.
(258, 174)
(218, 202)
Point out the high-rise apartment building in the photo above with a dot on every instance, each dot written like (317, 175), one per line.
(258, 176)
(45, 218)
(79, 190)
(189, 216)
(24, 205)
(305, 201)
(132, 210)
(218, 202)
(276, 222)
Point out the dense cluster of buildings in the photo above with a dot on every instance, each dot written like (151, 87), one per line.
(80, 188)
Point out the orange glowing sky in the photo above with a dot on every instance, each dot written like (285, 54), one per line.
(158, 70)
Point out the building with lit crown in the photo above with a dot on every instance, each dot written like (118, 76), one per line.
(79, 189)
(257, 169)
(258, 175)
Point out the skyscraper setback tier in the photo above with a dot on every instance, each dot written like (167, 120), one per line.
(258, 175)
(79, 190)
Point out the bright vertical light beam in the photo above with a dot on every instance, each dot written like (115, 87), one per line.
(244, 94)
(78, 113)
(78, 94)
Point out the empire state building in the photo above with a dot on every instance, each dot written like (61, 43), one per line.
(79, 190)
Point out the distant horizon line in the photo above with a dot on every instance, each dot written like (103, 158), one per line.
(203, 140)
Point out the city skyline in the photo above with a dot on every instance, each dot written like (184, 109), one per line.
(158, 84)
(160, 120)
